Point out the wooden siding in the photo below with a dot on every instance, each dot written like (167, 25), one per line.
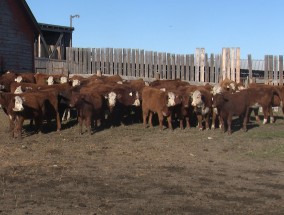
(17, 38)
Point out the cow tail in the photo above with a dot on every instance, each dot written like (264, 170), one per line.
(278, 92)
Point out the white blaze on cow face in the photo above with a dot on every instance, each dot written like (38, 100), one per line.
(196, 98)
(63, 80)
(50, 80)
(75, 82)
(171, 99)
(18, 104)
(19, 79)
(18, 90)
(216, 89)
(137, 101)
(232, 86)
(111, 99)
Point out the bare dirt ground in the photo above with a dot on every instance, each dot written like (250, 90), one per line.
(132, 170)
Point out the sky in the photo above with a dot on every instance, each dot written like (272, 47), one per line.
(172, 26)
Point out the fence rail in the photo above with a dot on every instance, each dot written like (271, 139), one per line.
(199, 67)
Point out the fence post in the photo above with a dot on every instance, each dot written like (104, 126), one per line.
(238, 65)
(250, 68)
(281, 70)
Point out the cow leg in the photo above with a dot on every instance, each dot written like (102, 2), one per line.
(187, 122)
(169, 119)
(145, 115)
(181, 124)
(88, 125)
(214, 118)
(265, 114)
(160, 116)
(199, 119)
(18, 127)
(229, 122)
(207, 121)
(150, 120)
(80, 121)
(271, 115)
(245, 120)
(58, 121)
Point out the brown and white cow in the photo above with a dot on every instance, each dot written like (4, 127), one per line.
(229, 105)
(36, 106)
(89, 109)
(157, 101)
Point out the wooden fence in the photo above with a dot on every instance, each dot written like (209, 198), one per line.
(199, 67)
(51, 66)
(147, 64)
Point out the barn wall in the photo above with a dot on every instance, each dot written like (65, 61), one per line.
(16, 37)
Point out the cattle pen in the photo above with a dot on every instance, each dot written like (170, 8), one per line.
(199, 67)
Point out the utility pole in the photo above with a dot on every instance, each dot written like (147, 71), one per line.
(71, 17)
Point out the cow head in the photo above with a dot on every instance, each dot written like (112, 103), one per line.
(63, 80)
(19, 79)
(218, 100)
(196, 98)
(111, 97)
(50, 80)
(76, 82)
(137, 100)
(18, 90)
(216, 89)
(171, 99)
(18, 104)
(74, 100)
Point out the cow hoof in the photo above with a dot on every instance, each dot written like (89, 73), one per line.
(200, 129)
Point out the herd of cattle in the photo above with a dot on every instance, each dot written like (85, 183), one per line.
(102, 101)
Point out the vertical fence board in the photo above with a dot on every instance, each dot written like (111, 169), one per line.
(197, 64)
(270, 68)
(206, 68)
(250, 68)
(218, 69)
(281, 70)
(164, 57)
(115, 62)
(98, 60)
(146, 64)
(128, 71)
(111, 61)
(191, 77)
(233, 73)
(120, 62)
(173, 59)
(266, 76)
(154, 69)
(107, 61)
(137, 71)
(275, 74)
(211, 69)
(238, 65)
(182, 67)
(202, 64)
(160, 63)
(142, 65)
(133, 64)
(124, 59)
(151, 73)
(187, 71)
(178, 66)
(223, 65)
(169, 72)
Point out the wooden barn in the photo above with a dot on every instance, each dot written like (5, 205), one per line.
(22, 38)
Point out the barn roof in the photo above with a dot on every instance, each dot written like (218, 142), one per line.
(30, 15)
(55, 28)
